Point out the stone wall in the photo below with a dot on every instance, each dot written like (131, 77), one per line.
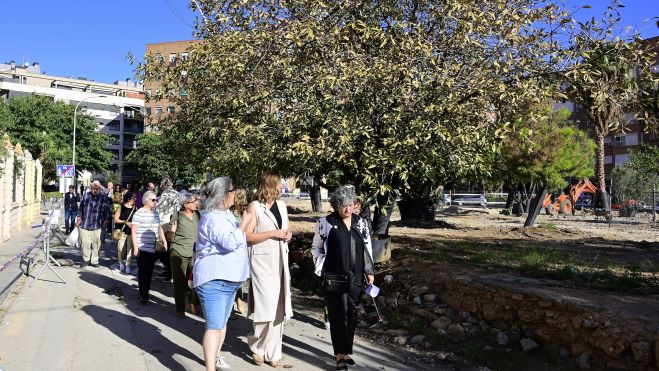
(601, 330)
(20, 192)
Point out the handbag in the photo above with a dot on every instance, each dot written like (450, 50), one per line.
(116, 233)
(337, 283)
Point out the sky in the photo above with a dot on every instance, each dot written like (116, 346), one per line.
(91, 38)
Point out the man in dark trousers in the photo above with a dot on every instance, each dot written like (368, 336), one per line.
(71, 199)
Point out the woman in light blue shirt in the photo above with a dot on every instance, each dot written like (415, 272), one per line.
(221, 264)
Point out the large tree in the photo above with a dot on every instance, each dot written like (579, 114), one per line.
(611, 79)
(45, 128)
(397, 95)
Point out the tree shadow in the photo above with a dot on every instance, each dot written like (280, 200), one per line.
(116, 323)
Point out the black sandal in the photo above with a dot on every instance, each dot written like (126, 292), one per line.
(350, 361)
(341, 365)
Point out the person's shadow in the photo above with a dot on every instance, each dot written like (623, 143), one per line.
(120, 323)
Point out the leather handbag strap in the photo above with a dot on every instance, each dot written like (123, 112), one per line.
(129, 215)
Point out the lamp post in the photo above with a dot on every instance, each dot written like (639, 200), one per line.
(75, 113)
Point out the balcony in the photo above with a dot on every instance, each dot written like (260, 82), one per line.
(137, 129)
(133, 115)
(130, 143)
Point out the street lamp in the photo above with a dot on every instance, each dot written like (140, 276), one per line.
(75, 113)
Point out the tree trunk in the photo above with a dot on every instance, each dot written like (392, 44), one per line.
(382, 215)
(510, 198)
(314, 195)
(536, 206)
(599, 159)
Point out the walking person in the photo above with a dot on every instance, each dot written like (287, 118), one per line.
(71, 199)
(146, 229)
(221, 265)
(109, 192)
(123, 217)
(184, 225)
(93, 216)
(343, 256)
(168, 204)
(270, 290)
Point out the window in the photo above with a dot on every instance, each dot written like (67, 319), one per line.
(158, 109)
(608, 160)
(621, 159)
(147, 110)
(184, 93)
(172, 58)
(159, 58)
(619, 140)
(113, 125)
(171, 109)
(185, 56)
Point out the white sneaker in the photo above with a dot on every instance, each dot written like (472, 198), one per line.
(220, 364)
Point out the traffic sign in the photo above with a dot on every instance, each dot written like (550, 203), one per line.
(66, 171)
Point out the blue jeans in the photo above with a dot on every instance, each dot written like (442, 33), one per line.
(69, 220)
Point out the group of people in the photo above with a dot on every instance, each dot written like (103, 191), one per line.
(229, 245)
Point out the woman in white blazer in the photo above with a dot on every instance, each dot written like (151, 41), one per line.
(270, 290)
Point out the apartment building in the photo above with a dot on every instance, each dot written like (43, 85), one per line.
(171, 53)
(117, 108)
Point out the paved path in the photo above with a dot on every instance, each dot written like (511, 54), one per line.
(95, 322)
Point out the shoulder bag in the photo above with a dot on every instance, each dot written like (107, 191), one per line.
(116, 234)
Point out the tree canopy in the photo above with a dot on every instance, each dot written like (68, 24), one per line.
(45, 128)
(398, 96)
(544, 147)
(156, 158)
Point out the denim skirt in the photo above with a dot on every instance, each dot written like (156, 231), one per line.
(217, 298)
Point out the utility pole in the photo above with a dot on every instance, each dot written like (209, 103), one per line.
(654, 205)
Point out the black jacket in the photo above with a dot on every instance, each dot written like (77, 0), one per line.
(71, 201)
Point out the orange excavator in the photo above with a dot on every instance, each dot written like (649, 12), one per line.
(564, 204)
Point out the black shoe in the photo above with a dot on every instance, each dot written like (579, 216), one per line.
(144, 301)
(341, 365)
(83, 265)
(350, 362)
(93, 265)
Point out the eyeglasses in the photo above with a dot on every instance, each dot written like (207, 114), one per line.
(231, 190)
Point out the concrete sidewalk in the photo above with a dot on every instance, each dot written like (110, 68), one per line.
(8, 250)
(95, 322)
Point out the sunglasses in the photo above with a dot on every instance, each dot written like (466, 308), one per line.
(231, 190)
(154, 199)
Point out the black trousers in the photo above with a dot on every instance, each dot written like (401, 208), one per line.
(342, 313)
(145, 263)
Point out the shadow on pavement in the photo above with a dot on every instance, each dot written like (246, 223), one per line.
(115, 322)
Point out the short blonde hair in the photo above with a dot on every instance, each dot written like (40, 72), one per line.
(267, 189)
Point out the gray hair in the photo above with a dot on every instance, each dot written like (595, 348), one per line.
(342, 196)
(166, 183)
(185, 197)
(148, 195)
(215, 192)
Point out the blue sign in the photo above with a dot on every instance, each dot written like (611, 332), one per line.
(66, 171)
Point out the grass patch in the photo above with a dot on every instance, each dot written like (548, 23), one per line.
(548, 226)
(555, 263)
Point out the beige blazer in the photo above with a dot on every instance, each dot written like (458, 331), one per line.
(266, 269)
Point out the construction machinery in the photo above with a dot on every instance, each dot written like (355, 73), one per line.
(564, 204)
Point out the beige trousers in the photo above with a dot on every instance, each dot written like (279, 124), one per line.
(90, 244)
(125, 242)
(267, 338)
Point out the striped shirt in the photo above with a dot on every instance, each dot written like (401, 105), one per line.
(147, 223)
(94, 210)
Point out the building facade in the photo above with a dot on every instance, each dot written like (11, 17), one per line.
(171, 53)
(117, 108)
